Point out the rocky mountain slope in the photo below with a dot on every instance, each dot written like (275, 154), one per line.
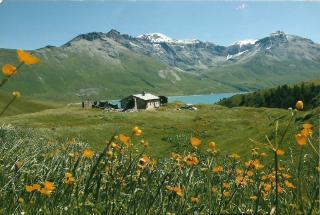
(112, 65)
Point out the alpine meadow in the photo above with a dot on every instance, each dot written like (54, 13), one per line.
(110, 122)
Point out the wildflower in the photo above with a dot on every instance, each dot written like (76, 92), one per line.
(217, 169)
(250, 173)
(214, 189)
(254, 198)
(18, 164)
(239, 171)
(280, 189)
(16, 94)
(175, 189)
(267, 187)
(195, 142)
(286, 175)
(144, 160)
(299, 105)
(264, 177)
(136, 131)
(29, 188)
(301, 139)
(109, 154)
(36, 186)
(226, 185)
(47, 189)
(280, 152)
(191, 160)
(68, 178)
(257, 165)
(27, 58)
(249, 164)
(195, 200)
(212, 147)
(307, 126)
(289, 184)
(175, 156)
(235, 156)
(8, 70)
(123, 138)
(87, 153)
(226, 194)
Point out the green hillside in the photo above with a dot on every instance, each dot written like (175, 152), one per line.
(283, 96)
(22, 105)
(166, 130)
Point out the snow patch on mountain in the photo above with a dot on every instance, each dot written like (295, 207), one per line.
(246, 42)
(156, 38)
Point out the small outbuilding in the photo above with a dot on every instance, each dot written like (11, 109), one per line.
(144, 100)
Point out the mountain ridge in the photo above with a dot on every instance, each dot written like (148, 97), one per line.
(116, 64)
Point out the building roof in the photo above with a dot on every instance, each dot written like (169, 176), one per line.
(146, 96)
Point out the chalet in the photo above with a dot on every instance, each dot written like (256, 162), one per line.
(141, 101)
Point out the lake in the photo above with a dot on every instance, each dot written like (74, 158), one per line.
(196, 99)
(201, 99)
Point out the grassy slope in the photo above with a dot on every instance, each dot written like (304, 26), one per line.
(230, 128)
(22, 105)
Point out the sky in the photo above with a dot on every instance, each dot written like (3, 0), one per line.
(32, 24)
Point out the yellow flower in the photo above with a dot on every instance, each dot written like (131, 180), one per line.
(49, 185)
(226, 185)
(299, 105)
(195, 142)
(258, 165)
(214, 189)
(217, 169)
(45, 192)
(36, 187)
(195, 200)
(191, 160)
(123, 138)
(27, 58)
(68, 178)
(212, 147)
(307, 126)
(175, 189)
(136, 131)
(254, 198)
(8, 70)
(289, 184)
(301, 139)
(144, 160)
(109, 154)
(280, 152)
(29, 188)
(250, 173)
(239, 171)
(16, 94)
(87, 153)
(226, 193)
(267, 187)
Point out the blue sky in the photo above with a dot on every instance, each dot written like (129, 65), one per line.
(31, 24)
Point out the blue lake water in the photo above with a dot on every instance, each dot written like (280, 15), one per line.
(201, 99)
(196, 99)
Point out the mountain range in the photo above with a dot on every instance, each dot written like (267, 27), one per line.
(111, 65)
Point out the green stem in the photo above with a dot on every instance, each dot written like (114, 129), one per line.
(7, 106)
(277, 182)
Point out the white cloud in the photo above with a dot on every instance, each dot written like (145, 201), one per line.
(1, 1)
(242, 6)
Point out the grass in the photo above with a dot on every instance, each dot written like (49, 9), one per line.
(165, 130)
(42, 175)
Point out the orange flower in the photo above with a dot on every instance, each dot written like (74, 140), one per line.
(195, 200)
(267, 187)
(68, 178)
(307, 126)
(299, 105)
(87, 153)
(36, 187)
(301, 139)
(226, 193)
(29, 188)
(280, 152)
(136, 131)
(49, 185)
(217, 169)
(226, 185)
(195, 142)
(144, 160)
(214, 189)
(289, 184)
(191, 160)
(175, 189)
(123, 138)
(253, 198)
(8, 70)
(26, 57)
